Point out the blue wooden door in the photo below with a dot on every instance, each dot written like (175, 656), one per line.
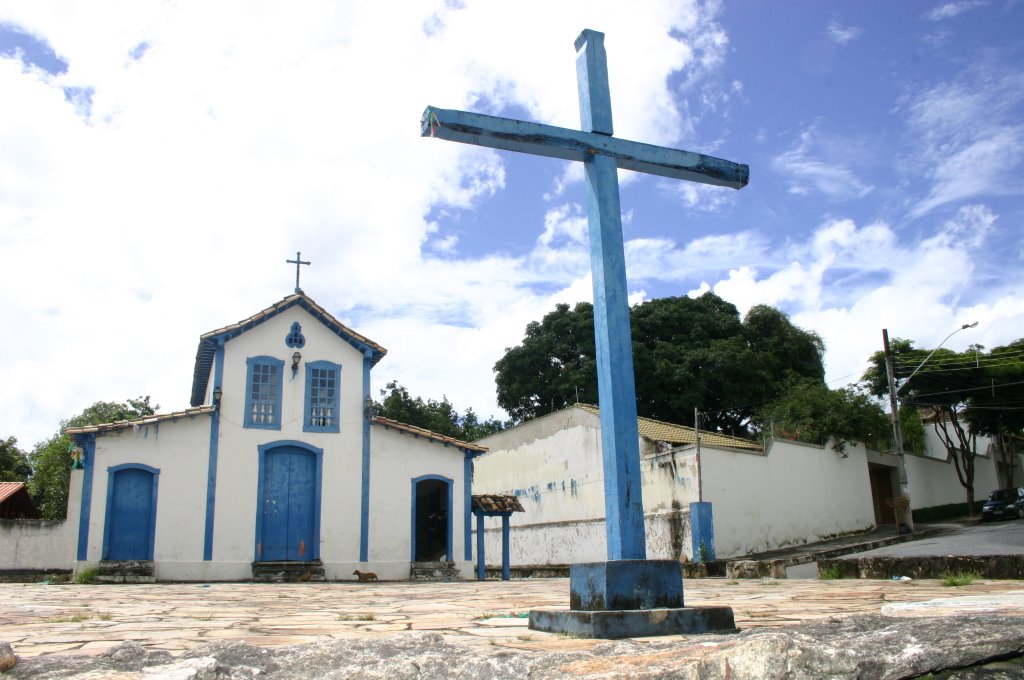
(289, 478)
(130, 530)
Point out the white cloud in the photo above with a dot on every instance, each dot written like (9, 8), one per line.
(802, 168)
(968, 138)
(952, 9)
(848, 282)
(842, 35)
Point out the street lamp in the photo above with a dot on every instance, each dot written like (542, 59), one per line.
(894, 410)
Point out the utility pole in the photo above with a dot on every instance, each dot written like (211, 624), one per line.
(696, 433)
(897, 435)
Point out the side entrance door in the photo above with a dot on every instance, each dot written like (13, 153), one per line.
(288, 505)
(131, 513)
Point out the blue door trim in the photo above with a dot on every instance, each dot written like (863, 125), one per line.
(211, 466)
(88, 444)
(451, 485)
(364, 489)
(263, 449)
(111, 471)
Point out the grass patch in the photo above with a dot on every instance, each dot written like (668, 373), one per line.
(959, 578)
(74, 618)
(87, 575)
(525, 637)
(732, 582)
(357, 617)
(830, 572)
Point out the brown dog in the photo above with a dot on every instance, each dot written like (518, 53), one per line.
(365, 575)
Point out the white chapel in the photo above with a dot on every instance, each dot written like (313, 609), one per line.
(279, 467)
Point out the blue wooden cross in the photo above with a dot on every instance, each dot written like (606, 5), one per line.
(602, 155)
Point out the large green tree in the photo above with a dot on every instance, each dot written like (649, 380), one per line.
(51, 459)
(963, 394)
(14, 465)
(437, 416)
(688, 353)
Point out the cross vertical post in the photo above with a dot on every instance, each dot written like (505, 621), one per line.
(298, 262)
(620, 441)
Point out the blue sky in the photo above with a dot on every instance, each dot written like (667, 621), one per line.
(156, 171)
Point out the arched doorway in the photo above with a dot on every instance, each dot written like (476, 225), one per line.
(288, 519)
(431, 519)
(130, 525)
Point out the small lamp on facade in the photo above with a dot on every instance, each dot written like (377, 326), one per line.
(296, 358)
(217, 394)
(367, 406)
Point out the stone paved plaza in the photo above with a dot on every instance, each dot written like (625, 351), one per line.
(40, 619)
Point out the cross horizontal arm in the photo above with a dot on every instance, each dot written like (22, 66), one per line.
(575, 145)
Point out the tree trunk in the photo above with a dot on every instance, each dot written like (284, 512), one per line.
(970, 500)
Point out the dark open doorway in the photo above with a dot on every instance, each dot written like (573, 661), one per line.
(432, 521)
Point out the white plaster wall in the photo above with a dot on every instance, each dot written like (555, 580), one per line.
(667, 535)
(396, 459)
(43, 544)
(179, 450)
(793, 494)
(554, 466)
(933, 479)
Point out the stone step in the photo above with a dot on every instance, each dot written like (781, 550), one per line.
(126, 571)
(288, 572)
(433, 571)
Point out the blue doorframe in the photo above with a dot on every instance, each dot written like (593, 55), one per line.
(305, 496)
(129, 524)
(448, 485)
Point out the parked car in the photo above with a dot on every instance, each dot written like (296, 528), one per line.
(1004, 503)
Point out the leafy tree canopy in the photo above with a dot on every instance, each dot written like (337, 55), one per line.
(808, 411)
(14, 465)
(437, 416)
(51, 459)
(687, 353)
(966, 394)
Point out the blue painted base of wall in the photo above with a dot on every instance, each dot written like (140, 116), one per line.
(619, 585)
(614, 625)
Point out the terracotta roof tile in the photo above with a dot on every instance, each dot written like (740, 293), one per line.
(427, 434)
(493, 502)
(8, 489)
(138, 422)
(681, 434)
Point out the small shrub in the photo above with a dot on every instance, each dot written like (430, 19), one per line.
(87, 575)
(732, 582)
(830, 572)
(959, 578)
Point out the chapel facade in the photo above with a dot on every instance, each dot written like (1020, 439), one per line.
(279, 466)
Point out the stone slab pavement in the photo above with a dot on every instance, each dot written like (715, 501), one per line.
(42, 619)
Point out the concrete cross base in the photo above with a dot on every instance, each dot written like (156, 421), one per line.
(614, 625)
(630, 598)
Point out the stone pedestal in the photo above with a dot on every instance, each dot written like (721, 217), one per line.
(630, 598)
